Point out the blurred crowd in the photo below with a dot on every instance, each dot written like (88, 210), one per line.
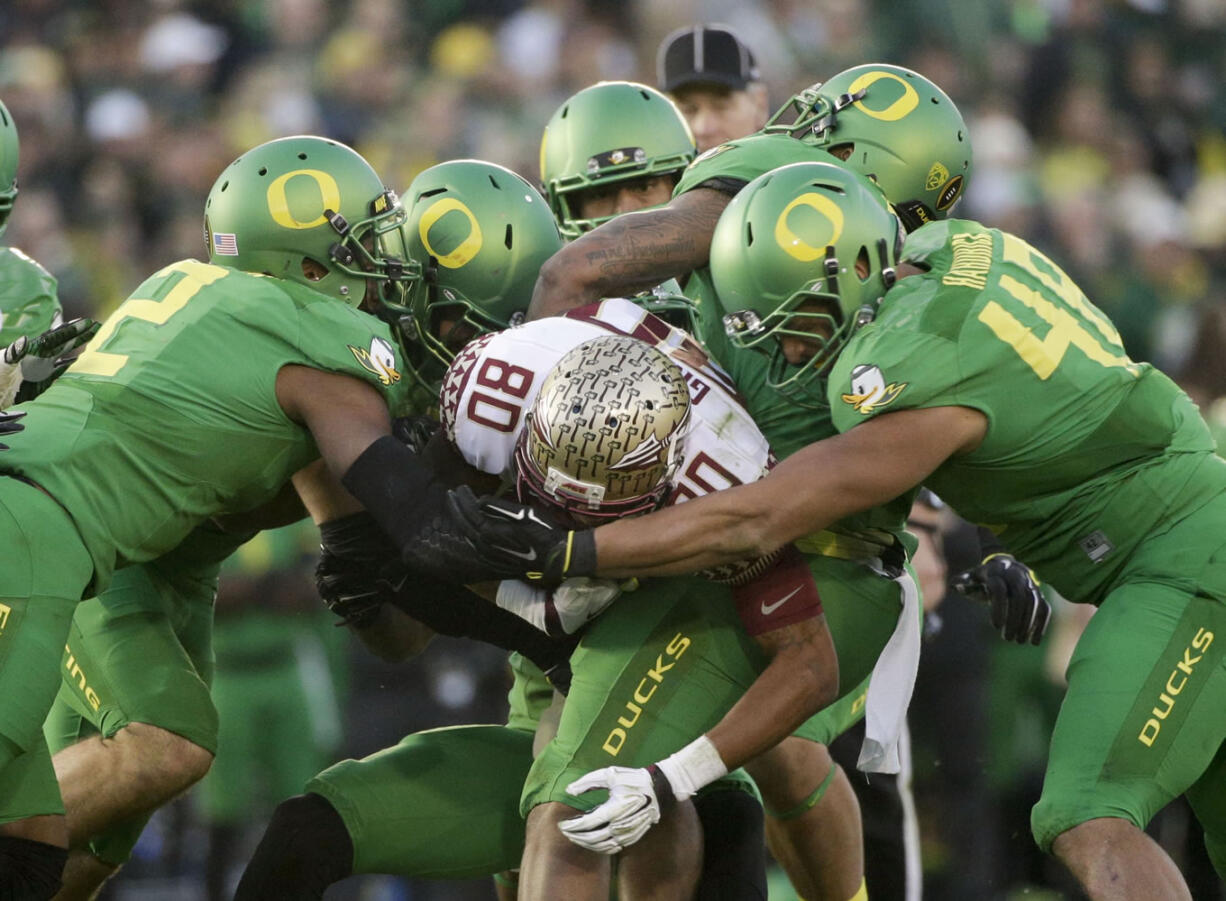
(1099, 129)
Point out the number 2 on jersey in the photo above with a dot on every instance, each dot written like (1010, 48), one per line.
(196, 275)
(1067, 327)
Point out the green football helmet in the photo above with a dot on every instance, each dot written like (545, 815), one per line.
(8, 165)
(806, 250)
(613, 131)
(893, 125)
(312, 211)
(482, 233)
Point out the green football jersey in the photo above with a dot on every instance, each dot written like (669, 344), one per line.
(171, 416)
(28, 302)
(787, 426)
(1086, 454)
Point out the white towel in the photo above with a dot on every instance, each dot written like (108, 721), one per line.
(891, 684)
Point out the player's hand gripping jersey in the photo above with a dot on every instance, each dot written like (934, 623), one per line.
(201, 345)
(1085, 450)
(494, 381)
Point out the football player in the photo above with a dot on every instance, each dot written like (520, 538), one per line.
(565, 455)
(612, 148)
(157, 736)
(482, 233)
(219, 402)
(34, 338)
(817, 835)
(987, 374)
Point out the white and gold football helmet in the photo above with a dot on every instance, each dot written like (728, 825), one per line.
(604, 437)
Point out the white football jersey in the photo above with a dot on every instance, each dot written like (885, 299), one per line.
(494, 381)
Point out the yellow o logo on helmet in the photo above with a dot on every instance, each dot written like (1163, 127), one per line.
(278, 203)
(467, 249)
(795, 246)
(896, 110)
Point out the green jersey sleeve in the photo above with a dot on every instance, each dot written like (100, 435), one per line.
(1085, 449)
(28, 302)
(739, 162)
(171, 416)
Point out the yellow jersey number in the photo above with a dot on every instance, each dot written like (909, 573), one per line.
(1068, 320)
(95, 361)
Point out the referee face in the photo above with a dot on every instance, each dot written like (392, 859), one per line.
(718, 114)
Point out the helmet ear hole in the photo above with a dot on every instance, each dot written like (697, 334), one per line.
(313, 269)
(863, 264)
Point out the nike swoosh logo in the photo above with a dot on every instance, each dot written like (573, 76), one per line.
(768, 609)
(518, 515)
(528, 557)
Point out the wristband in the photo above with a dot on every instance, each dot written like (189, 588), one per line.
(694, 767)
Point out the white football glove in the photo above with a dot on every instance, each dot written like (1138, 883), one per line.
(633, 808)
(562, 610)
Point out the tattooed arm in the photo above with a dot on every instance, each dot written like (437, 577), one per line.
(631, 253)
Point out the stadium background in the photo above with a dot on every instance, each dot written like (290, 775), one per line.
(1099, 129)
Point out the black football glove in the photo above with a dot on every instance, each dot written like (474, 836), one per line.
(518, 542)
(43, 357)
(10, 423)
(1018, 608)
(442, 550)
(358, 570)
